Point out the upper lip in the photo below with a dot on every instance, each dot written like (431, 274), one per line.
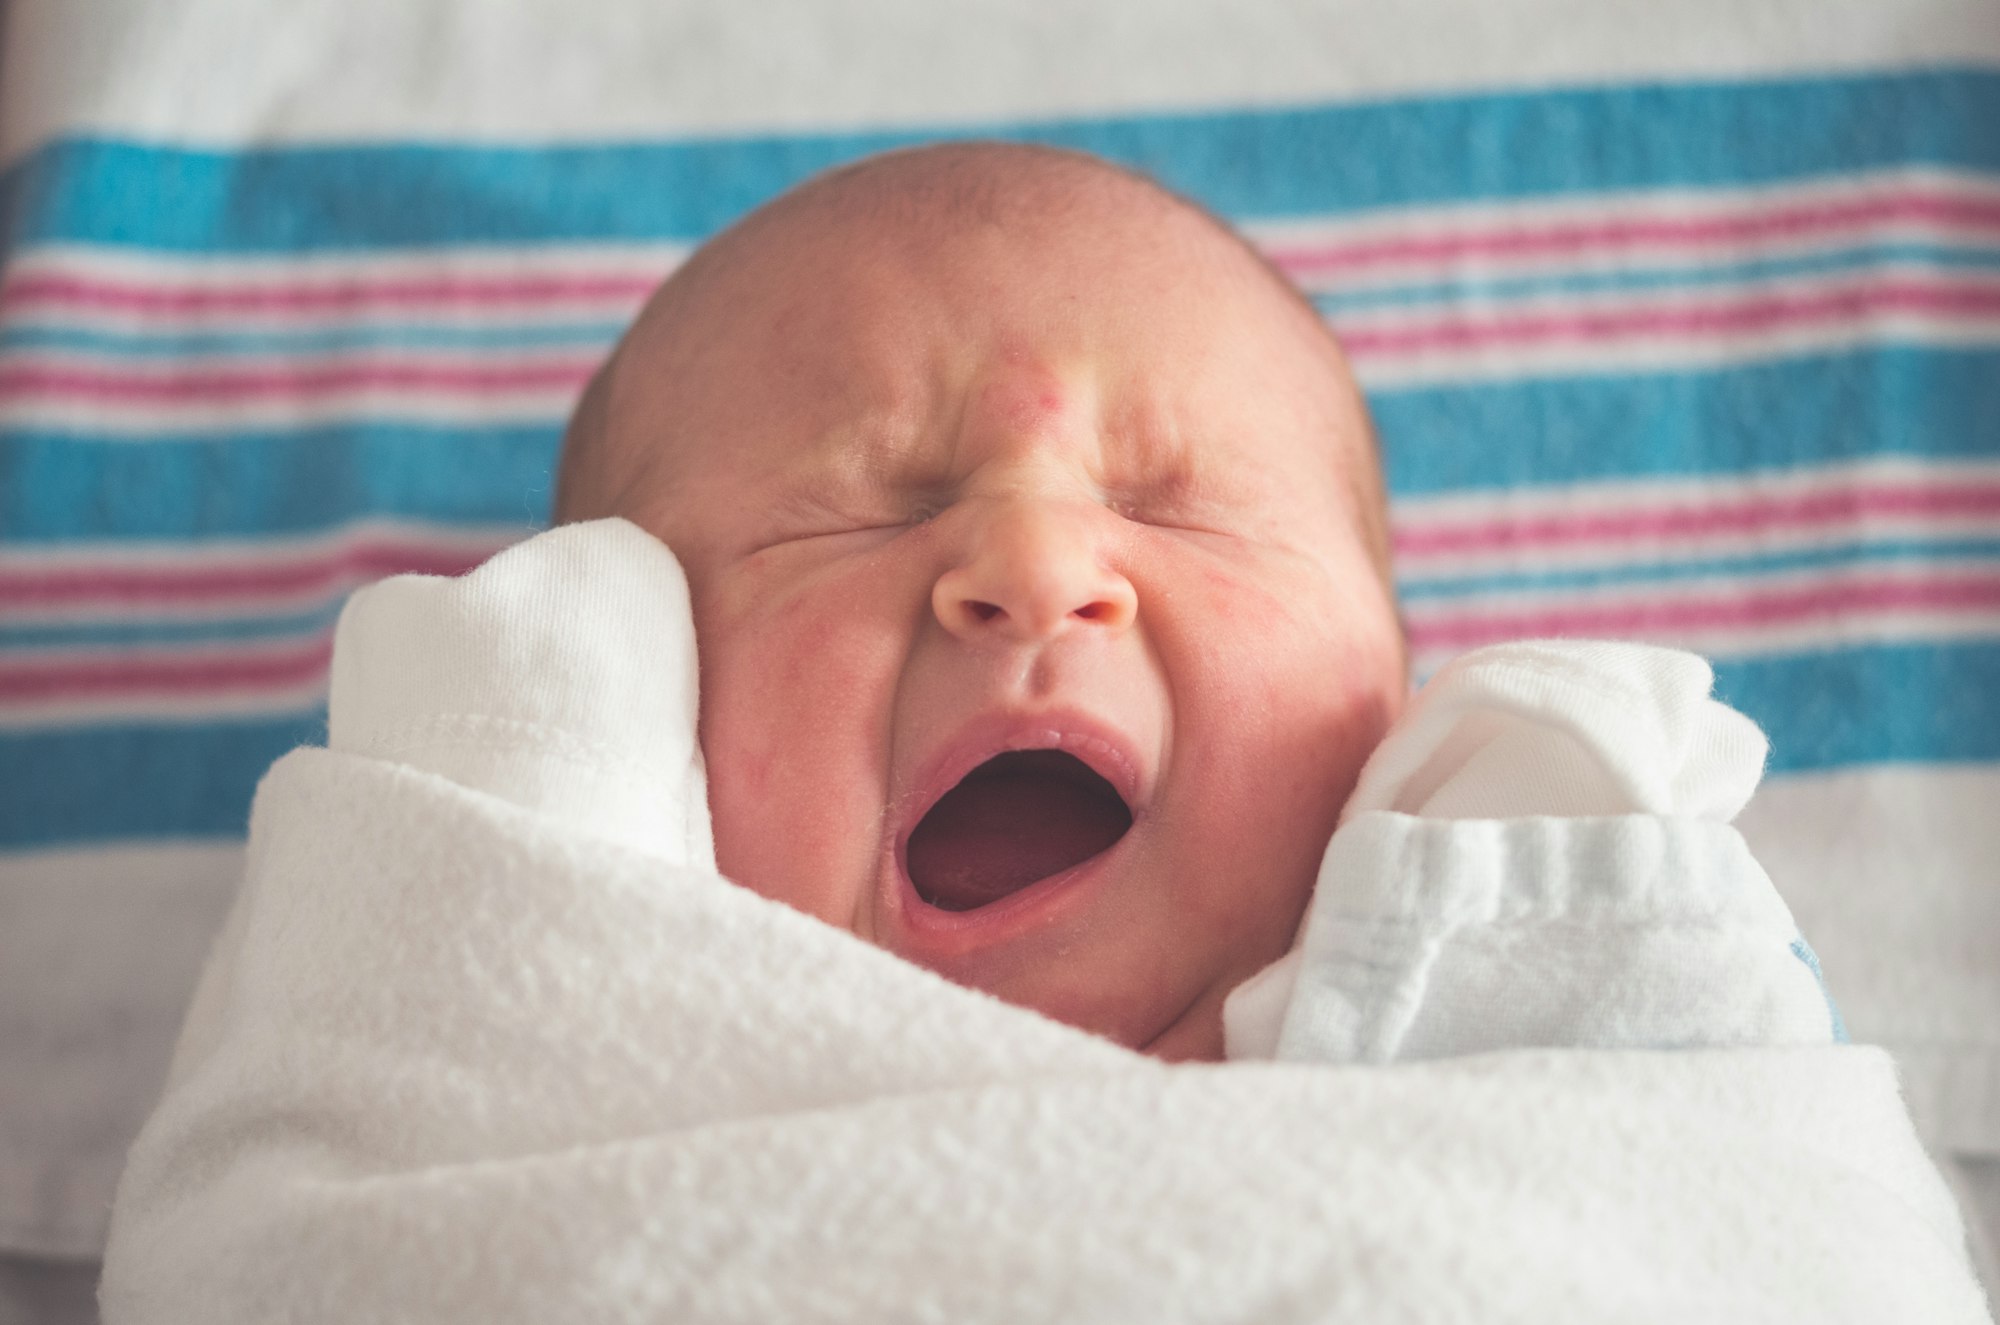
(1099, 744)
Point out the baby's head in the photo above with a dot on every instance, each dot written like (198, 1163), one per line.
(980, 449)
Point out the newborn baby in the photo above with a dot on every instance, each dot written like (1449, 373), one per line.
(1031, 538)
(1036, 542)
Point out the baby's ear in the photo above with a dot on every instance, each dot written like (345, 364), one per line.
(561, 675)
(585, 450)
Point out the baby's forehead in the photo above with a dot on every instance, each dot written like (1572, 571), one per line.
(919, 213)
(893, 267)
(849, 291)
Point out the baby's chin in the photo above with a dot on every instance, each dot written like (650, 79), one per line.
(1194, 1037)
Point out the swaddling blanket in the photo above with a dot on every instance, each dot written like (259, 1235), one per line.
(487, 1039)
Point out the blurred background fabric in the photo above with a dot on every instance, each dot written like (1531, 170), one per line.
(1680, 323)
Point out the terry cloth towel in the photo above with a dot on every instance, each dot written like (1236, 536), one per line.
(1539, 854)
(465, 1053)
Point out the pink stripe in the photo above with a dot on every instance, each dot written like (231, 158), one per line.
(307, 663)
(278, 668)
(1721, 316)
(214, 386)
(331, 296)
(1753, 515)
(1731, 316)
(132, 677)
(1564, 238)
(160, 585)
(1679, 616)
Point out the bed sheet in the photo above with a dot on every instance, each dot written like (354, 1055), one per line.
(1679, 323)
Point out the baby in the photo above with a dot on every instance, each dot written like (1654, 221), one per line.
(1032, 539)
(1036, 540)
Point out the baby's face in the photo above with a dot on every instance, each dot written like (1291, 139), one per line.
(948, 491)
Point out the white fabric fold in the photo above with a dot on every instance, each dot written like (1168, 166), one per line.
(460, 1058)
(1632, 932)
(1539, 854)
(495, 681)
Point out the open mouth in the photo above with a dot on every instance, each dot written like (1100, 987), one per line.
(1015, 820)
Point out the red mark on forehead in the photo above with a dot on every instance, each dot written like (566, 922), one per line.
(1022, 394)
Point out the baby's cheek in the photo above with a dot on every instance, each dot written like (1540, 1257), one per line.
(794, 697)
(1296, 687)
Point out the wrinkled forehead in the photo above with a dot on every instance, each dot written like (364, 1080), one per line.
(833, 310)
(860, 329)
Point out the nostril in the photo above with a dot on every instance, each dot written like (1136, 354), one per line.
(1094, 611)
(984, 611)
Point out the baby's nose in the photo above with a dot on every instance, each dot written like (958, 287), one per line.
(1032, 573)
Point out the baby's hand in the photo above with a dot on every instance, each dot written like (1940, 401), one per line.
(560, 675)
(1566, 728)
(1592, 907)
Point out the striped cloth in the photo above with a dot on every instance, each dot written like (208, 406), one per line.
(1659, 382)
(1711, 362)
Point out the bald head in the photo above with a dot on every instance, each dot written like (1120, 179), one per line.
(970, 437)
(951, 187)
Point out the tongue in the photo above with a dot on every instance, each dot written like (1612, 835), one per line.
(1016, 818)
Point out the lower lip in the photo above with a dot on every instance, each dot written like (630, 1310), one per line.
(1034, 906)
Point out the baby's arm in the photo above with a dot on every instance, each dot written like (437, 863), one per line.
(1540, 855)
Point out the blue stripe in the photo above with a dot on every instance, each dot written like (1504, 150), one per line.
(1686, 276)
(24, 337)
(171, 781)
(1417, 587)
(1890, 703)
(1838, 1025)
(1248, 164)
(1888, 400)
(1887, 703)
(1892, 400)
(55, 487)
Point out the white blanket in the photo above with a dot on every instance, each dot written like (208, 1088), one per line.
(487, 1039)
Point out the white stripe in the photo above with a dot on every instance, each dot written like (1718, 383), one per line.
(1639, 500)
(538, 70)
(470, 260)
(1675, 300)
(1558, 358)
(263, 550)
(98, 958)
(1558, 499)
(367, 277)
(279, 552)
(1559, 346)
(142, 421)
(1830, 627)
(170, 372)
(544, 409)
(1889, 873)
(1483, 223)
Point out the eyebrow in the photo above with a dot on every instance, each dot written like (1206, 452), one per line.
(854, 469)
